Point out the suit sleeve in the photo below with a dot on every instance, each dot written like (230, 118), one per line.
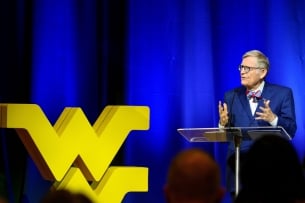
(286, 117)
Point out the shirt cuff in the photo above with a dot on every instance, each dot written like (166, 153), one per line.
(274, 122)
(220, 126)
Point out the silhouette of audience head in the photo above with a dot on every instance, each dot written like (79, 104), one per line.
(193, 176)
(3, 192)
(65, 196)
(3, 199)
(272, 172)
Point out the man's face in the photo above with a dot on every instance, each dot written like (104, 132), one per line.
(252, 78)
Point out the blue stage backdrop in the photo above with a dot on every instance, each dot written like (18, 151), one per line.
(179, 57)
(183, 55)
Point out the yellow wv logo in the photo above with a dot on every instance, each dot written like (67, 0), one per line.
(76, 155)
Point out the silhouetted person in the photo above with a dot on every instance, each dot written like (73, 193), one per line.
(272, 172)
(3, 192)
(193, 177)
(65, 196)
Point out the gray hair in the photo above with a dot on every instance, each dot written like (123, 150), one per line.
(262, 60)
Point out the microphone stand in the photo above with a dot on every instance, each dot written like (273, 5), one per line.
(237, 141)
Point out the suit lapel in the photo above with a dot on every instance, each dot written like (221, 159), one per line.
(245, 102)
(266, 92)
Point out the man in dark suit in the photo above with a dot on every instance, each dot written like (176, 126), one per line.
(255, 103)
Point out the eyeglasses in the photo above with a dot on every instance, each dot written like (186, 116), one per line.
(247, 68)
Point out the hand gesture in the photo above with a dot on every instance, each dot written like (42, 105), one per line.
(266, 113)
(223, 113)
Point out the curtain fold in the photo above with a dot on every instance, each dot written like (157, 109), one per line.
(176, 57)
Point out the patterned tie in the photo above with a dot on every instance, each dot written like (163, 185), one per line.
(255, 95)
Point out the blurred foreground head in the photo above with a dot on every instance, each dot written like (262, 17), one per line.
(193, 176)
(272, 172)
(65, 196)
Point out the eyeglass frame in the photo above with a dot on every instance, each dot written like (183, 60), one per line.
(247, 69)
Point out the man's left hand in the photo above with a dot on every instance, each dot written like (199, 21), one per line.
(266, 114)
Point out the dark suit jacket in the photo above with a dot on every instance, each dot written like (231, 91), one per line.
(281, 104)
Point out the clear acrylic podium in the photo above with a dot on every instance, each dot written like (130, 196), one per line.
(231, 134)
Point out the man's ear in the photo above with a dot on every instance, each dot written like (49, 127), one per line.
(263, 73)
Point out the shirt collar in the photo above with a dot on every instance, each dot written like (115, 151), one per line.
(260, 87)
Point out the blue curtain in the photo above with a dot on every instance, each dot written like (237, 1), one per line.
(176, 56)
(183, 55)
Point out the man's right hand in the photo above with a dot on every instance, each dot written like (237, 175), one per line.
(223, 113)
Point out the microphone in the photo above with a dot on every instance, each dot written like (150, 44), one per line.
(230, 123)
